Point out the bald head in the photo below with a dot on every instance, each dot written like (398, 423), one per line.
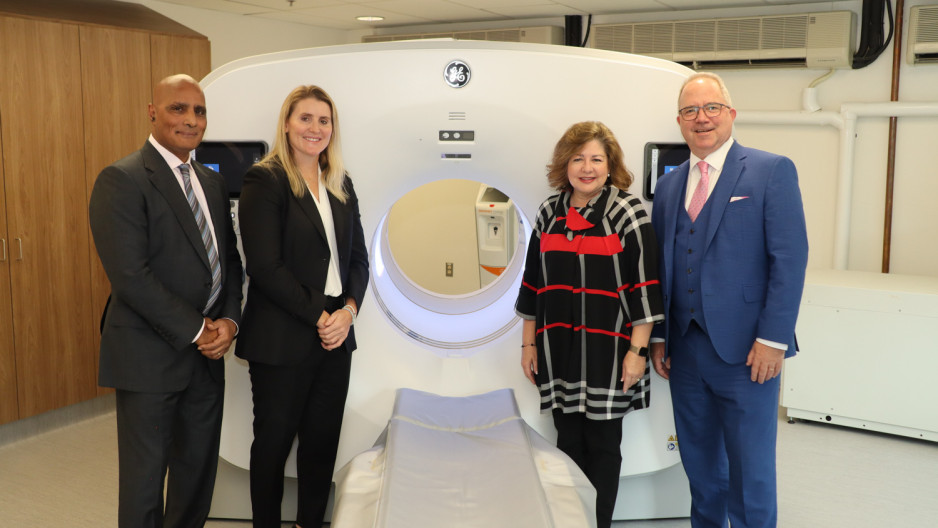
(178, 114)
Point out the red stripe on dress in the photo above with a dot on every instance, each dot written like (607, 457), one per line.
(526, 285)
(581, 245)
(584, 328)
(590, 291)
(643, 284)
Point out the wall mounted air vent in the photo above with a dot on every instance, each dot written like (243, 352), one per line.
(923, 37)
(813, 40)
(534, 35)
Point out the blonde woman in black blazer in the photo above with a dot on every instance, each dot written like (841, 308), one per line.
(308, 273)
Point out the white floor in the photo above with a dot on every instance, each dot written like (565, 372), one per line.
(829, 477)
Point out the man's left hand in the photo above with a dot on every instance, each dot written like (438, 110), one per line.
(226, 332)
(766, 362)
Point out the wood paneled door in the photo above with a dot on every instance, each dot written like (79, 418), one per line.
(116, 86)
(9, 409)
(46, 213)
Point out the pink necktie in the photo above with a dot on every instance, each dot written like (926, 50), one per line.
(699, 198)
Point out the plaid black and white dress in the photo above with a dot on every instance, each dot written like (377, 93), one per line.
(591, 273)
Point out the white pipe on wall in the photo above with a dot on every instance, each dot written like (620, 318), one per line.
(846, 123)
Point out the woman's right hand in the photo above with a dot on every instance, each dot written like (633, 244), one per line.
(529, 362)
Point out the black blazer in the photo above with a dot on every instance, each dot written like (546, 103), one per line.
(160, 276)
(287, 258)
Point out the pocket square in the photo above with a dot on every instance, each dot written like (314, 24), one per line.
(737, 198)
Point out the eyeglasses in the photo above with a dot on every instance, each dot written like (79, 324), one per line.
(689, 113)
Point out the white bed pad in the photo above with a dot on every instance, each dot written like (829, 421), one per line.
(468, 462)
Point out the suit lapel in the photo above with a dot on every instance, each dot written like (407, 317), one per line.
(338, 221)
(720, 197)
(164, 180)
(670, 221)
(309, 208)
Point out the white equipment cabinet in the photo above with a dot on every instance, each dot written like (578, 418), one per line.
(869, 353)
(497, 232)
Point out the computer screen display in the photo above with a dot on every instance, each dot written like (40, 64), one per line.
(231, 159)
(660, 159)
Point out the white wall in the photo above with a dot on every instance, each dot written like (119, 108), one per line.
(434, 224)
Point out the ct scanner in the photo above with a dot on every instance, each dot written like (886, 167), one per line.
(415, 112)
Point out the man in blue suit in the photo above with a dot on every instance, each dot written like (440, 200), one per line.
(734, 249)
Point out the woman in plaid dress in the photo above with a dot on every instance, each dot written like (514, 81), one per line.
(589, 298)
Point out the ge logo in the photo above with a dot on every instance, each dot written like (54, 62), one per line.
(457, 74)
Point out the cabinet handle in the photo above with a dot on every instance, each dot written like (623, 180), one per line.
(4, 241)
(20, 241)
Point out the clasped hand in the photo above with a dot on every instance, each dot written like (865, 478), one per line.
(216, 337)
(334, 328)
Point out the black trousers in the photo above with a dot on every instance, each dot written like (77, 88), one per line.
(174, 431)
(305, 401)
(595, 446)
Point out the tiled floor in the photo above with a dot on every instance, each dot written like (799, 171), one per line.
(829, 477)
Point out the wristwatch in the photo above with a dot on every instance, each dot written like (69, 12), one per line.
(641, 351)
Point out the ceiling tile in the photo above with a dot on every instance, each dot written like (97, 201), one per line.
(435, 10)
(604, 7)
(340, 14)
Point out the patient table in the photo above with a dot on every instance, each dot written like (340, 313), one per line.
(468, 462)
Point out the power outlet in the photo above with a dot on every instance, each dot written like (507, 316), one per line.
(449, 269)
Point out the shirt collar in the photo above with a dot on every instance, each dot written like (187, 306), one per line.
(717, 158)
(168, 156)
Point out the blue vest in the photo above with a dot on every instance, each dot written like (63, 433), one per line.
(686, 297)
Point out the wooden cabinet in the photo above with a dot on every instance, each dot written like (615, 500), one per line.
(73, 99)
(116, 89)
(9, 409)
(177, 54)
(43, 166)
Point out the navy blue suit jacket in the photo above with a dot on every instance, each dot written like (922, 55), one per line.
(756, 250)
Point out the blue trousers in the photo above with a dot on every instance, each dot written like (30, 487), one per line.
(726, 429)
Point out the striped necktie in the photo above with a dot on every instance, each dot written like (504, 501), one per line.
(206, 237)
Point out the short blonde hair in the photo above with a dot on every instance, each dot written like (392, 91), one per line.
(330, 160)
(572, 142)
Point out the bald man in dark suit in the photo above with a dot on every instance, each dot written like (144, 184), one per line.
(162, 228)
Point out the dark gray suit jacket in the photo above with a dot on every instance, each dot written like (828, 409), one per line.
(160, 276)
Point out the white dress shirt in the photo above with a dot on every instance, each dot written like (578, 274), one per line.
(333, 286)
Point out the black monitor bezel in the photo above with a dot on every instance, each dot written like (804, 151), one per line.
(678, 150)
(232, 146)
